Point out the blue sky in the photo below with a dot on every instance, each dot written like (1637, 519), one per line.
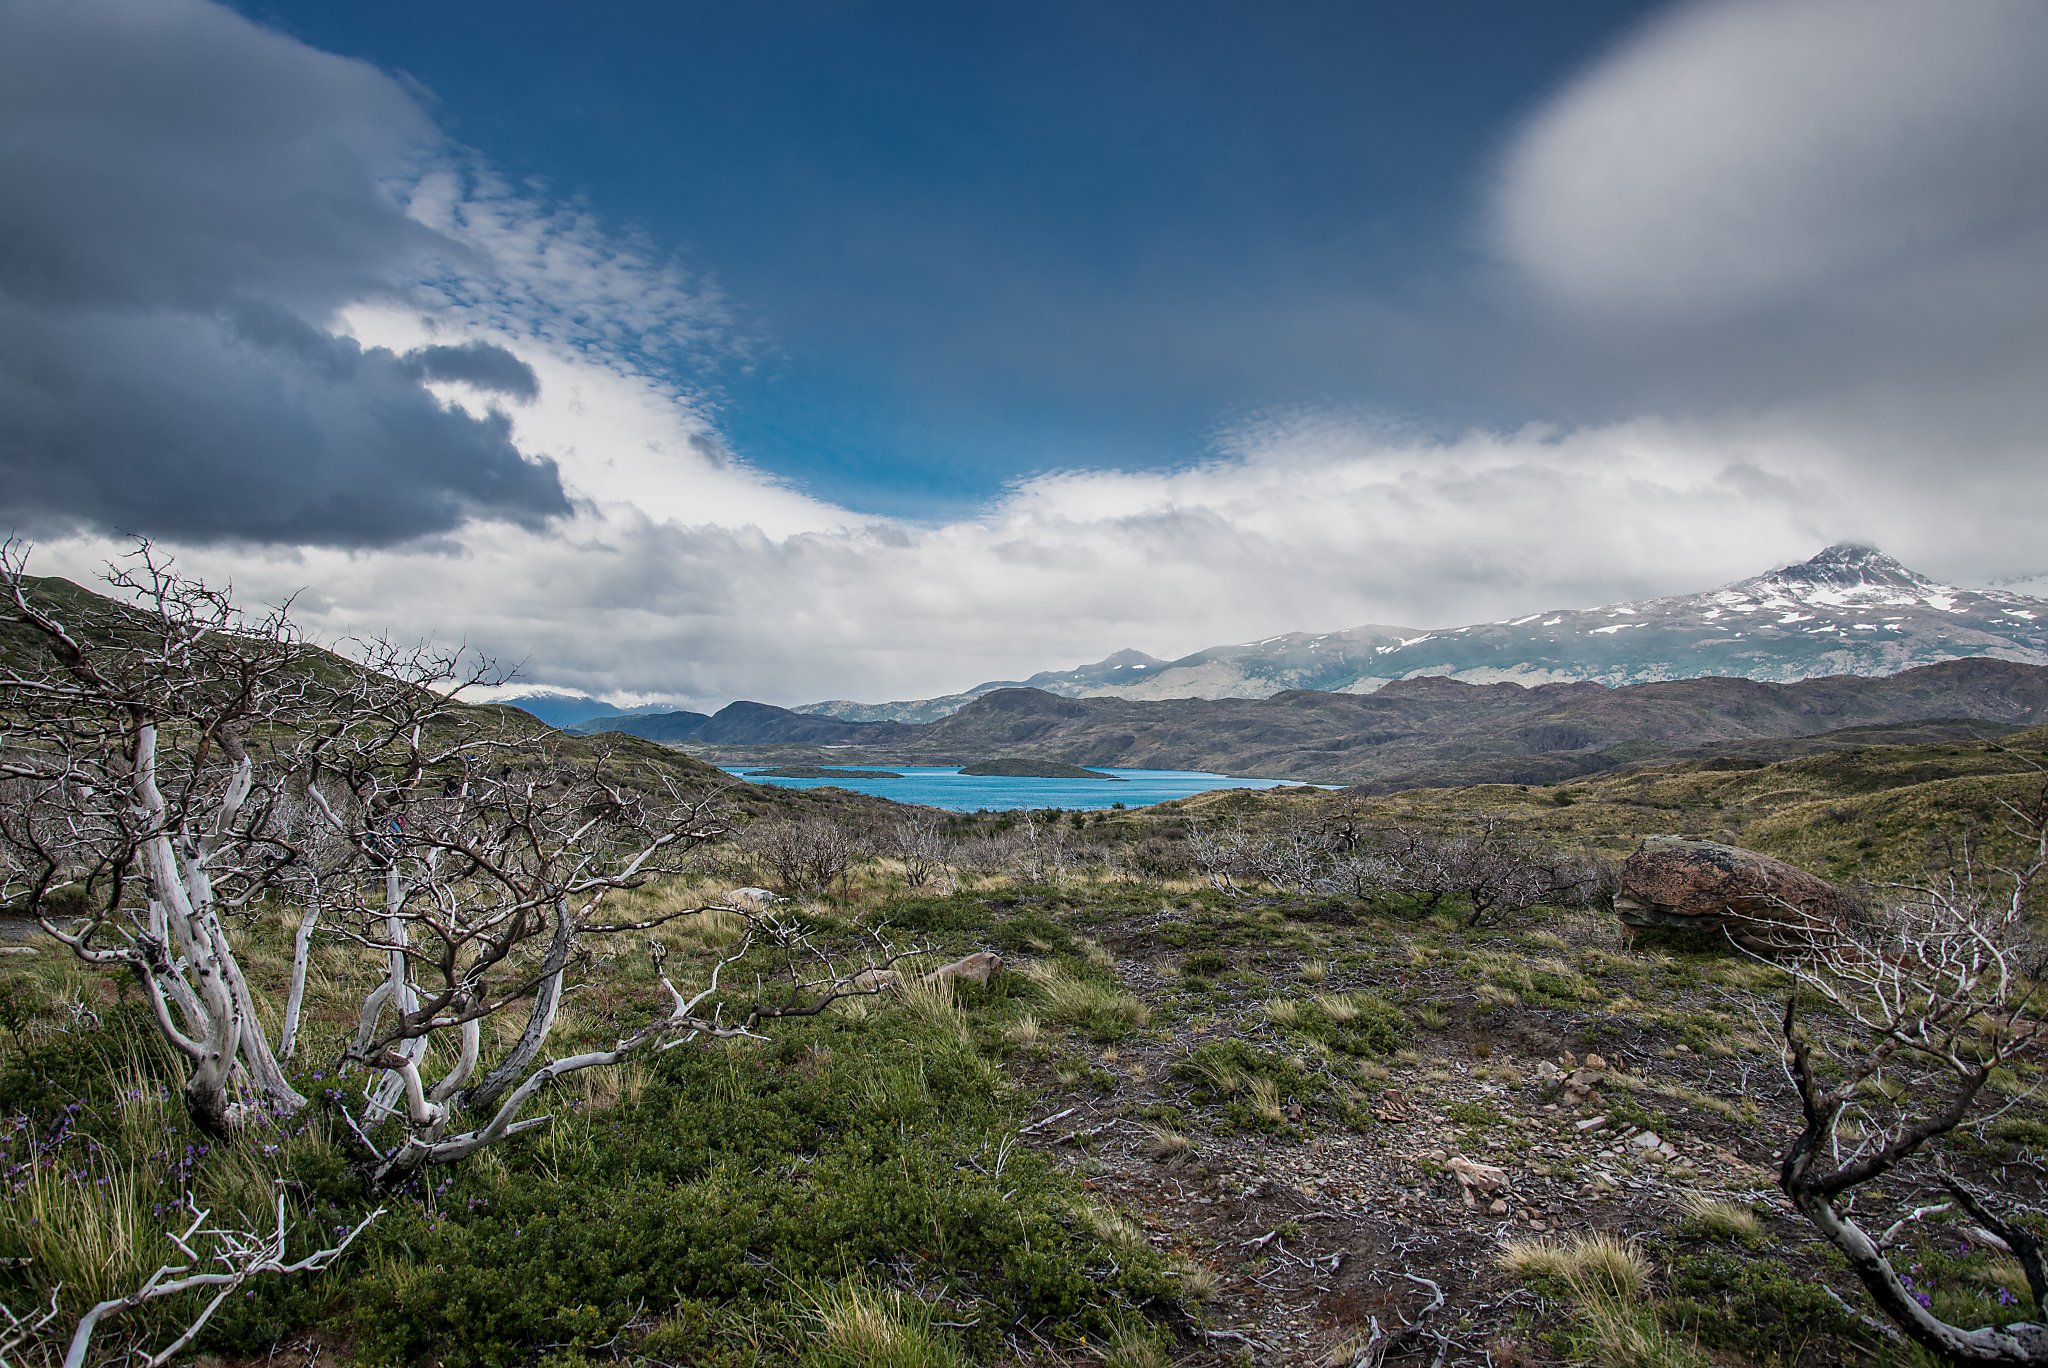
(692, 352)
(974, 242)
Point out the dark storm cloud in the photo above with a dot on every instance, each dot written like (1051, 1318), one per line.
(186, 200)
(479, 365)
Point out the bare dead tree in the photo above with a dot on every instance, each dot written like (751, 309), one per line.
(1938, 990)
(1045, 849)
(132, 800)
(1219, 852)
(811, 854)
(219, 1261)
(169, 766)
(919, 841)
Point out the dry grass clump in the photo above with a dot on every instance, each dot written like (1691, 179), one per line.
(1608, 1279)
(1135, 1344)
(1714, 1219)
(1265, 1102)
(1167, 1146)
(1198, 1281)
(858, 1325)
(1113, 1228)
(1286, 1013)
(1103, 1010)
(1595, 1264)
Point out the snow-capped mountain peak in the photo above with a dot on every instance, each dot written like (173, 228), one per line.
(1848, 573)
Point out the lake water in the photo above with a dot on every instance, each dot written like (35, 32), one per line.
(946, 787)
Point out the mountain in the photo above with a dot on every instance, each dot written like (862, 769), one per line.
(557, 709)
(749, 724)
(1430, 730)
(1106, 676)
(1849, 610)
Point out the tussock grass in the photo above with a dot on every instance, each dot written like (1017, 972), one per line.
(1134, 1344)
(1598, 1264)
(859, 1325)
(1607, 1279)
(1618, 1333)
(87, 1224)
(1285, 1013)
(1167, 1146)
(1103, 1011)
(1264, 1099)
(1112, 1227)
(1714, 1219)
(1198, 1282)
(932, 1003)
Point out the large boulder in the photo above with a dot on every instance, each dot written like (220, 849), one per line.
(1763, 903)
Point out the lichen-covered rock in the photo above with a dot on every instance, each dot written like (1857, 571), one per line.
(1765, 904)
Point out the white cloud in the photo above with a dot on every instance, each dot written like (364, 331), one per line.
(1736, 153)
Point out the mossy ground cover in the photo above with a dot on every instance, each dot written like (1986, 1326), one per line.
(726, 1204)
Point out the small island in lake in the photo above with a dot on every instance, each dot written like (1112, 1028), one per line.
(819, 772)
(1035, 769)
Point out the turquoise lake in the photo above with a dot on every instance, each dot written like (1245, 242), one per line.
(946, 787)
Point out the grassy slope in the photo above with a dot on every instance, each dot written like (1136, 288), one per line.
(1875, 812)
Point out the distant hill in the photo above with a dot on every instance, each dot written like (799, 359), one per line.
(1106, 676)
(1431, 730)
(557, 709)
(1850, 610)
(749, 724)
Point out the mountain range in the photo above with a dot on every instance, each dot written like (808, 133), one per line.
(1850, 610)
(1424, 731)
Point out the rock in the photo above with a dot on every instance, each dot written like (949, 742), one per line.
(1579, 1086)
(1645, 1140)
(1763, 903)
(1591, 1123)
(1497, 1207)
(979, 967)
(1478, 1180)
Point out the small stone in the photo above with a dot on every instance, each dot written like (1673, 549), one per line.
(1644, 1140)
(1497, 1207)
(1591, 1123)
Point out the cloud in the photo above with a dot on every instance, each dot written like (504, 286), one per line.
(1742, 154)
(480, 365)
(190, 202)
(247, 424)
(1310, 524)
(1822, 218)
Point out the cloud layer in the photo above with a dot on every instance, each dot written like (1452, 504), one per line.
(294, 331)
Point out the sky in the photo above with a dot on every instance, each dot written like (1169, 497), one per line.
(685, 352)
